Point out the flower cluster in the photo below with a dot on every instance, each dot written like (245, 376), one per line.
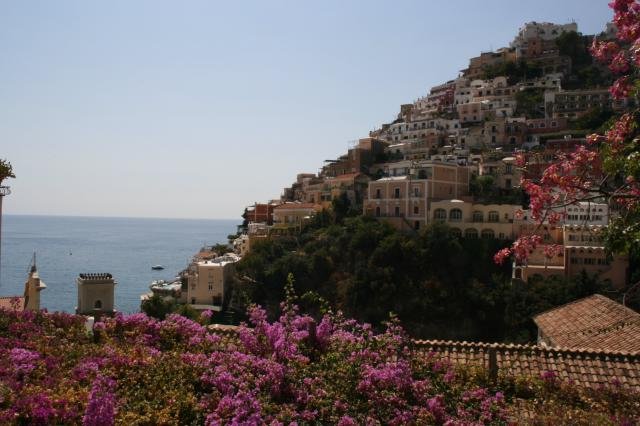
(297, 370)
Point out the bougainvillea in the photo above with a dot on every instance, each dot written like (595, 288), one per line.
(607, 168)
(133, 369)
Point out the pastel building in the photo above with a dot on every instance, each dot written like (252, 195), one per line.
(474, 220)
(581, 250)
(290, 217)
(404, 200)
(96, 294)
(208, 282)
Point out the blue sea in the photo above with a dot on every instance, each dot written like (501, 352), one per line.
(125, 247)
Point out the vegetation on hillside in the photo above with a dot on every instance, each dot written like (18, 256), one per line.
(439, 285)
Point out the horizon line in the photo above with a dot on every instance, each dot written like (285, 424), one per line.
(117, 217)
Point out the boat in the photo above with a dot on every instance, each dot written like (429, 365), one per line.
(157, 267)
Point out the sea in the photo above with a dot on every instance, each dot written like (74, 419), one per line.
(125, 247)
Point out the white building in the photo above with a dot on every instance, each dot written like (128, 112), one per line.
(540, 30)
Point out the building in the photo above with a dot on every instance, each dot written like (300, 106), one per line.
(404, 200)
(479, 64)
(96, 294)
(572, 104)
(260, 212)
(579, 249)
(30, 300)
(208, 282)
(474, 220)
(595, 322)
(290, 217)
(505, 172)
(531, 37)
(357, 159)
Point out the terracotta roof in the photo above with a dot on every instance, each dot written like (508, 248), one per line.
(298, 206)
(595, 322)
(582, 367)
(8, 302)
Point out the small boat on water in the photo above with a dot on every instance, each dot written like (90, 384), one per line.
(157, 267)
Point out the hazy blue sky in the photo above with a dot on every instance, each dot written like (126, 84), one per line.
(197, 109)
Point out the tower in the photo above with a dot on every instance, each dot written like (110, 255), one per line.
(32, 288)
(96, 294)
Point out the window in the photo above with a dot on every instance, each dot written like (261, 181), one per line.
(416, 210)
(397, 211)
(97, 304)
(416, 191)
(210, 286)
(488, 234)
(471, 233)
(478, 216)
(455, 215)
(456, 232)
(378, 193)
(396, 193)
(377, 211)
(416, 225)
(193, 300)
(494, 216)
(440, 214)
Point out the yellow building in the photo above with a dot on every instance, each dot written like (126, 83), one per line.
(471, 220)
(290, 217)
(208, 282)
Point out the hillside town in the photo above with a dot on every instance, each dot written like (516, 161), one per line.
(450, 156)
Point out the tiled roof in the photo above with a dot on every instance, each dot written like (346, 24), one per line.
(8, 302)
(595, 322)
(581, 367)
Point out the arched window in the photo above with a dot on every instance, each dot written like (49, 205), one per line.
(456, 232)
(471, 233)
(488, 234)
(478, 216)
(97, 304)
(455, 215)
(494, 216)
(440, 214)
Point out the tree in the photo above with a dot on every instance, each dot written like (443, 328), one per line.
(6, 170)
(608, 167)
(158, 307)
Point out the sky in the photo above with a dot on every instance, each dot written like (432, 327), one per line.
(196, 109)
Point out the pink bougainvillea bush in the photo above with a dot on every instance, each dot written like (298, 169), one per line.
(137, 370)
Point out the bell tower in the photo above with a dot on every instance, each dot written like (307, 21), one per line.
(33, 287)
